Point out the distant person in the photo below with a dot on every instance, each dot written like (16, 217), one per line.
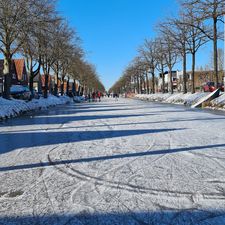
(99, 96)
(93, 96)
(116, 97)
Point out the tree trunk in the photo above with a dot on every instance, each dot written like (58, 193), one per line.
(193, 74)
(138, 85)
(184, 72)
(135, 85)
(144, 84)
(55, 89)
(7, 77)
(140, 79)
(171, 79)
(147, 82)
(74, 87)
(67, 86)
(31, 84)
(163, 79)
(56, 83)
(153, 82)
(31, 78)
(40, 85)
(78, 92)
(215, 51)
(62, 86)
(46, 86)
(33, 73)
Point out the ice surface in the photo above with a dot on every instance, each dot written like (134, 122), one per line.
(125, 162)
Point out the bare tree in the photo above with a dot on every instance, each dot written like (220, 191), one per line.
(49, 45)
(208, 10)
(33, 59)
(139, 68)
(171, 53)
(149, 52)
(17, 18)
(13, 22)
(65, 46)
(161, 60)
(181, 38)
(76, 67)
(31, 42)
(195, 38)
(90, 79)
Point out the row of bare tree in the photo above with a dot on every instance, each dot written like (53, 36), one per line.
(34, 29)
(197, 23)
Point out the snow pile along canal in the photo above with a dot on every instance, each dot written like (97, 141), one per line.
(14, 107)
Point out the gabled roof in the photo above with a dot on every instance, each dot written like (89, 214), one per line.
(19, 65)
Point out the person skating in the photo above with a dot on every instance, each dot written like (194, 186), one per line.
(99, 96)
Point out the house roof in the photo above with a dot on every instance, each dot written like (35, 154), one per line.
(19, 65)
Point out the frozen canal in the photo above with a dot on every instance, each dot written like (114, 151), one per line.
(125, 162)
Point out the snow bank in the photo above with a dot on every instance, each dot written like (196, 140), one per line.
(78, 99)
(219, 102)
(177, 98)
(12, 108)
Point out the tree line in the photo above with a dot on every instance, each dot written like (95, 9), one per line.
(34, 29)
(197, 23)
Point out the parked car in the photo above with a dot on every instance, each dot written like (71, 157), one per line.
(210, 87)
(20, 92)
(221, 86)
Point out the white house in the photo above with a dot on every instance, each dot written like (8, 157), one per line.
(167, 81)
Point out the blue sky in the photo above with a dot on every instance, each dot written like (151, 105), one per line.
(112, 30)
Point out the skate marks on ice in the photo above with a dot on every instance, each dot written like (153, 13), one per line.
(16, 140)
(109, 191)
(111, 157)
(142, 178)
